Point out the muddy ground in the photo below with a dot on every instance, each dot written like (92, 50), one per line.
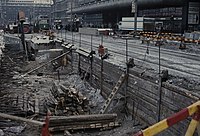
(16, 90)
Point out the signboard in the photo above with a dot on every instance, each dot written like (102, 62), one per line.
(193, 13)
(133, 6)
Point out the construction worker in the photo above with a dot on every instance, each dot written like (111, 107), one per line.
(101, 50)
(182, 44)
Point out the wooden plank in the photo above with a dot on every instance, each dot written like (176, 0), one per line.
(169, 106)
(85, 126)
(140, 94)
(144, 118)
(144, 84)
(142, 73)
(150, 110)
(142, 90)
(81, 118)
(32, 122)
(60, 123)
(181, 100)
(181, 91)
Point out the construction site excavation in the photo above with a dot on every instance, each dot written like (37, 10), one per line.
(97, 83)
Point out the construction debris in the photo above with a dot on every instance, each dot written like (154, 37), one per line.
(68, 101)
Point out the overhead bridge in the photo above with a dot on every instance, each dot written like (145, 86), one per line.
(101, 5)
(98, 6)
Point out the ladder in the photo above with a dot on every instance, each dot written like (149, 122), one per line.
(112, 94)
(86, 73)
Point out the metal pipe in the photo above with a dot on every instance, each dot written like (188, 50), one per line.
(127, 71)
(101, 82)
(159, 59)
(159, 98)
(159, 88)
(71, 22)
(32, 122)
(91, 68)
(126, 50)
(91, 62)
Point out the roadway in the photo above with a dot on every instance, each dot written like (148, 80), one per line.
(177, 62)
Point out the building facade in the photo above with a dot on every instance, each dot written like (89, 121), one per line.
(10, 8)
(177, 16)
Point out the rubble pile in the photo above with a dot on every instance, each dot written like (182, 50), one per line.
(68, 101)
(14, 100)
(96, 101)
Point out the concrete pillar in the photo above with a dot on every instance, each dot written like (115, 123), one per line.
(185, 16)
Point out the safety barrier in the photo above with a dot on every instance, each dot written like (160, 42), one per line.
(169, 36)
(193, 109)
(45, 127)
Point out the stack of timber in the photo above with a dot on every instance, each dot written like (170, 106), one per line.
(68, 101)
(95, 121)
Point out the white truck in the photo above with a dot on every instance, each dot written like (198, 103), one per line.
(128, 24)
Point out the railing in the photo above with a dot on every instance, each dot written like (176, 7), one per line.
(192, 110)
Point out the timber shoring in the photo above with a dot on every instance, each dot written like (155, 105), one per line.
(143, 90)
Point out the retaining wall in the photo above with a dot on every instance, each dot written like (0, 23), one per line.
(142, 92)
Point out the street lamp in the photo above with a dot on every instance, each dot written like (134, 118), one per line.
(135, 15)
(71, 22)
(160, 76)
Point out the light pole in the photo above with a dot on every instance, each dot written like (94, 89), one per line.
(101, 77)
(135, 16)
(127, 72)
(159, 80)
(71, 22)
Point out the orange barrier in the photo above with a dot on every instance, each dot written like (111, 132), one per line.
(193, 109)
(168, 36)
(45, 128)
